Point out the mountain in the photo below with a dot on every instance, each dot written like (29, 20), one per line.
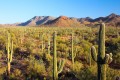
(37, 20)
(64, 21)
(88, 19)
(110, 20)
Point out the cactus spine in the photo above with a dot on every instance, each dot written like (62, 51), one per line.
(101, 58)
(9, 52)
(61, 63)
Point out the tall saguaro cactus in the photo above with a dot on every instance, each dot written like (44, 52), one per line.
(72, 54)
(9, 52)
(49, 44)
(90, 59)
(61, 63)
(41, 36)
(101, 58)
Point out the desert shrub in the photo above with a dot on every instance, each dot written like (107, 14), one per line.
(1, 53)
(2, 70)
(61, 47)
(83, 51)
(113, 45)
(112, 73)
(47, 58)
(49, 71)
(2, 42)
(2, 73)
(87, 73)
(22, 52)
(117, 58)
(77, 67)
(37, 53)
(36, 69)
(16, 75)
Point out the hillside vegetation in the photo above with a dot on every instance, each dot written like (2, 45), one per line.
(31, 52)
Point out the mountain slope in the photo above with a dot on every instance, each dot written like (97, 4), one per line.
(64, 21)
(110, 20)
(37, 20)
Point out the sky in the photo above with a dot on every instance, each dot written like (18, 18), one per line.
(12, 11)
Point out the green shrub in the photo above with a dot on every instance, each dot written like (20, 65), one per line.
(16, 75)
(112, 73)
(77, 67)
(36, 68)
(87, 73)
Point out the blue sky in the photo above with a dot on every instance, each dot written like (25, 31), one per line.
(12, 11)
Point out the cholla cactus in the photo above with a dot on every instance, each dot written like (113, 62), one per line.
(101, 58)
(56, 70)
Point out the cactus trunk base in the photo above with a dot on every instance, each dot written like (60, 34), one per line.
(8, 69)
(102, 72)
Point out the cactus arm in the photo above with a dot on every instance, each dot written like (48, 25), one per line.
(108, 58)
(110, 54)
(93, 53)
(75, 53)
(61, 66)
(60, 62)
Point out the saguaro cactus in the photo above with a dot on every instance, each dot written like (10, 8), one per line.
(72, 54)
(101, 58)
(49, 44)
(61, 63)
(22, 36)
(89, 59)
(41, 36)
(9, 52)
